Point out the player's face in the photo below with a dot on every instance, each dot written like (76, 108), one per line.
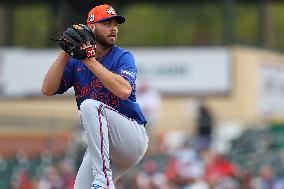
(106, 32)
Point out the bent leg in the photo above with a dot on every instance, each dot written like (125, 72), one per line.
(111, 135)
(128, 142)
(95, 124)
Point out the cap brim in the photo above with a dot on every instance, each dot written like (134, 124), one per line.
(119, 19)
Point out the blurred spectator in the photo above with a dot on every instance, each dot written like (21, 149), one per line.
(171, 169)
(25, 182)
(23, 160)
(51, 179)
(267, 180)
(217, 168)
(46, 158)
(150, 100)
(189, 166)
(151, 177)
(21, 180)
(171, 142)
(183, 167)
(67, 174)
(205, 123)
(245, 179)
(186, 169)
(227, 183)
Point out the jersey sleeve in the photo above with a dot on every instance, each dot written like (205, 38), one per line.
(67, 79)
(126, 68)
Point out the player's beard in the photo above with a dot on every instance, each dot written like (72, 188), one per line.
(103, 41)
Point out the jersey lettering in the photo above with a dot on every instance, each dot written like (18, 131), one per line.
(88, 86)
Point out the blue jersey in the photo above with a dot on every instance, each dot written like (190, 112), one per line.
(88, 86)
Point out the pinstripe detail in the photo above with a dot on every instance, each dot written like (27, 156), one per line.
(102, 146)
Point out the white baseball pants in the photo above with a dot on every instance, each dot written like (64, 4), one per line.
(115, 144)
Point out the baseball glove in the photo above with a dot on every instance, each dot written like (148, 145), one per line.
(73, 39)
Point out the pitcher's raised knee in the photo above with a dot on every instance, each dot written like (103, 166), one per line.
(89, 105)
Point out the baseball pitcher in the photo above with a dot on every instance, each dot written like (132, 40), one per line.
(103, 76)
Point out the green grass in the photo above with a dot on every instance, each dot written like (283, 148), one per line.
(32, 25)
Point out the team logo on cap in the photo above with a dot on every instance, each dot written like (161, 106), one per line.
(110, 10)
(91, 18)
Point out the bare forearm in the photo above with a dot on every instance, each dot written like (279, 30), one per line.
(113, 82)
(54, 75)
